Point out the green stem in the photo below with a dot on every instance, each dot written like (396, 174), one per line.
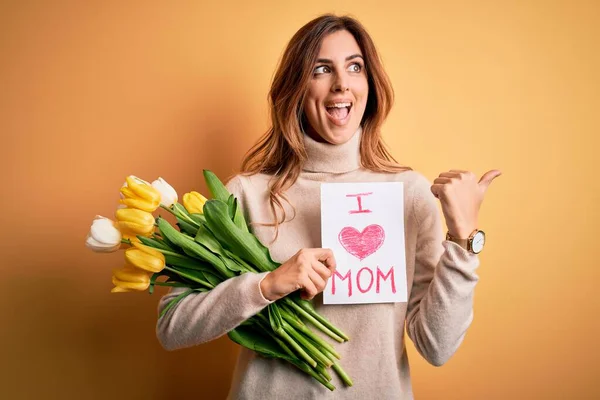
(168, 209)
(264, 323)
(338, 369)
(267, 328)
(313, 320)
(182, 216)
(154, 242)
(284, 335)
(290, 317)
(170, 284)
(170, 253)
(235, 257)
(313, 350)
(191, 278)
(297, 347)
(323, 371)
(127, 241)
(322, 319)
(174, 301)
(311, 372)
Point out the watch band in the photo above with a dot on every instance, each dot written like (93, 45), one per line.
(464, 243)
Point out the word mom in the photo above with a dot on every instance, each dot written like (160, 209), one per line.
(364, 274)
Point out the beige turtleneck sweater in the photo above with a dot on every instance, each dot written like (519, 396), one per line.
(440, 275)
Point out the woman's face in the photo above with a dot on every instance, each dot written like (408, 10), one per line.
(337, 94)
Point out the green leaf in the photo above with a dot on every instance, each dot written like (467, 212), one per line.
(275, 318)
(198, 218)
(267, 346)
(153, 243)
(215, 186)
(186, 227)
(174, 301)
(212, 278)
(198, 274)
(170, 277)
(192, 248)
(175, 248)
(179, 210)
(238, 218)
(243, 244)
(197, 277)
(208, 240)
(256, 340)
(231, 206)
(152, 281)
(187, 262)
(234, 266)
(219, 192)
(242, 265)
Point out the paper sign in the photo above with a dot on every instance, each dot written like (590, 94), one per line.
(363, 223)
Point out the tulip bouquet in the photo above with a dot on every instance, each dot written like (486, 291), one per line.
(213, 243)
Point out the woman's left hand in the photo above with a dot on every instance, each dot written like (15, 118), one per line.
(461, 196)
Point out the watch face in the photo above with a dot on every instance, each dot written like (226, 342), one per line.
(478, 242)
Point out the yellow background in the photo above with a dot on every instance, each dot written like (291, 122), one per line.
(92, 91)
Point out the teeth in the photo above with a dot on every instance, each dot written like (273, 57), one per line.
(339, 105)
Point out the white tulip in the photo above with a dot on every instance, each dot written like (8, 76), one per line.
(103, 237)
(168, 195)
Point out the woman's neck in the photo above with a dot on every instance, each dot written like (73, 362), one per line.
(333, 158)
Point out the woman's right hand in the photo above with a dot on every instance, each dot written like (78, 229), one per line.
(308, 269)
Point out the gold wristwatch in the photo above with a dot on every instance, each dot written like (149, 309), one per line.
(474, 243)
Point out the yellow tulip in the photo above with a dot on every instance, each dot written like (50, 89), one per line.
(139, 194)
(134, 222)
(128, 279)
(194, 202)
(144, 257)
(118, 289)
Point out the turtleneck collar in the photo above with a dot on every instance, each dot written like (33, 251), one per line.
(333, 158)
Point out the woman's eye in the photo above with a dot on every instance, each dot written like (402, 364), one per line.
(356, 65)
(319, 70)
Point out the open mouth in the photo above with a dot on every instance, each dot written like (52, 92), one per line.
(339, 113)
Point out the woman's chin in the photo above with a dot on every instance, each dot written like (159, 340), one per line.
(333, 134)
(339, 135)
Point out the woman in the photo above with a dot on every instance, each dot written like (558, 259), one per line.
(329, 97)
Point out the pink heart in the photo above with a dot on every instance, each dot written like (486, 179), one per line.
(362, 244)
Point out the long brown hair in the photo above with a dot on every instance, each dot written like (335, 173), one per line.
(280, 151)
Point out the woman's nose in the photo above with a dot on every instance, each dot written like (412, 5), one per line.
(340, 86)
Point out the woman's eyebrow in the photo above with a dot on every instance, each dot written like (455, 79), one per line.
(327, 61)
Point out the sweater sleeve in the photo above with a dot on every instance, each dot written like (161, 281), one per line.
(205, 316)
(440, 307)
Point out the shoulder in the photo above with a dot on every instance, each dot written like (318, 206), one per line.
(415, 182)
(418, 181)
(425, 205)
(418, 195)
(243, 183)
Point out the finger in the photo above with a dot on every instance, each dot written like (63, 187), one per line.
(326, 257)
(438, 190)
(487, 178)
(322, 270)
(442, 180)
(458, 170)
(309, 290)
(450, 174)
(317, 280)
